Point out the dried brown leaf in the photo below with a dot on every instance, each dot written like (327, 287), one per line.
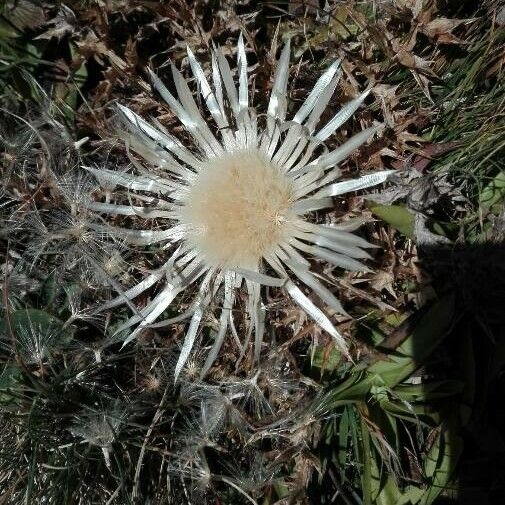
(440, 30)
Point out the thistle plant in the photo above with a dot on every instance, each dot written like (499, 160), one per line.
(235, 208)
(230, 215)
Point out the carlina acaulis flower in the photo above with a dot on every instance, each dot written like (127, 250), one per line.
(232, 211)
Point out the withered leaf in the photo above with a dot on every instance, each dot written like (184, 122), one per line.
(440, 30)
(62, 24)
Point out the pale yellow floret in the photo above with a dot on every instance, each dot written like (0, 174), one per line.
(238, 209)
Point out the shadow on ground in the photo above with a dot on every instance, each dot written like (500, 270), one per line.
(431, 394)
(473, 352)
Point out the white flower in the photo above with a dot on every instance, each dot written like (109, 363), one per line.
(234, 207)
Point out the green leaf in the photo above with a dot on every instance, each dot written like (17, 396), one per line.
(396, 216)
(387, 373)
(441, 461)
(9, 376)
(426, 336)
(23, 318)
(326, 359)
(281, 489)
(384, 487)
(37, 319)
(428, 390)
(366, 475)
(343, 437)
(50, 290)
(494, 192)
(416, 413)
(72, 90)
(410, 496)
(395, 318)
(8, 31)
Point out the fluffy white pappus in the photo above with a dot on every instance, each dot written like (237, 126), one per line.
(36, 342)
(235, 210)
(101, 427)
(238, 210)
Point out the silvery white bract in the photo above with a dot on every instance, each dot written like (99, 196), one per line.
(232, 209)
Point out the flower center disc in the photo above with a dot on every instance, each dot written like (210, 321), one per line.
(237, 209)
